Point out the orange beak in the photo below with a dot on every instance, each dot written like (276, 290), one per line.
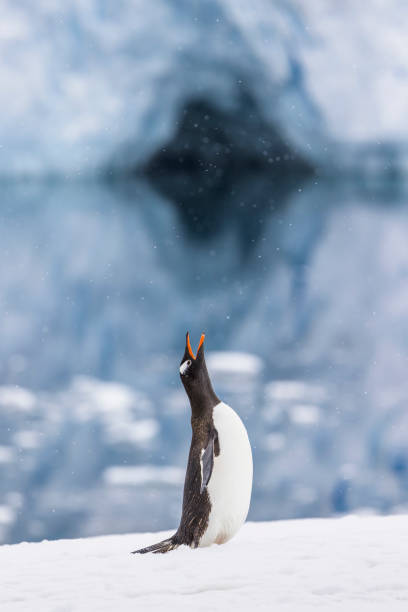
(189, 345)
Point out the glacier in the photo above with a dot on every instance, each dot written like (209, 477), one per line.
(107, 84)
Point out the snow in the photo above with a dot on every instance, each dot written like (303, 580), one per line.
(353, 564)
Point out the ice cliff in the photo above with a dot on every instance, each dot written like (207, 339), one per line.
(92, 86)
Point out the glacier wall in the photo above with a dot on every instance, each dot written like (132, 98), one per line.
(93, 87)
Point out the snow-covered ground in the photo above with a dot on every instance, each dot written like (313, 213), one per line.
(350, 564)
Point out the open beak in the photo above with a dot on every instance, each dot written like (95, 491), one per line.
(189, 345)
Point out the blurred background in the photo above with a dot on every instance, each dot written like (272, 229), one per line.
(222, 166)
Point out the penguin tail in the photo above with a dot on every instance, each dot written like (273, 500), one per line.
(161, 547)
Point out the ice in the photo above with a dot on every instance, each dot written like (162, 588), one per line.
(17, 399)
(304, 414)
(6, 514)
(107, 86)
(355, 563)
(6, 454)
(312, 358)
(234, 363)
(290, 390)
(53, 461)
(27, 439)
(137, 475)
(106, 396)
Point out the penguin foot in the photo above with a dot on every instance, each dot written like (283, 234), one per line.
(161, 547)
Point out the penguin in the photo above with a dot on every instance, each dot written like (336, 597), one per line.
(218, 482)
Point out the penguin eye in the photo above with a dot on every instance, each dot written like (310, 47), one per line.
(184, 366)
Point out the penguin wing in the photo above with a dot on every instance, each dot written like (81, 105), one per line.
(207, 460)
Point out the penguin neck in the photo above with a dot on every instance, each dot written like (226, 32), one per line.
(202, 398)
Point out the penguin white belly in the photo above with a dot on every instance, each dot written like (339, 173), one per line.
(230, 485)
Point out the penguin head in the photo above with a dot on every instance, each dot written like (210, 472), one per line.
(191, 365)
(194, 376)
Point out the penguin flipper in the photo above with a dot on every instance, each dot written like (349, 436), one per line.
(161, 547)
(207, 460)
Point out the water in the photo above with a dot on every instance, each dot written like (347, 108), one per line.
(99, 283)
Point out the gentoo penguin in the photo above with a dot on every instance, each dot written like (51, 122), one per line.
(218, 483)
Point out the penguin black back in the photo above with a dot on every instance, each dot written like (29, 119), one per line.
(196, 502)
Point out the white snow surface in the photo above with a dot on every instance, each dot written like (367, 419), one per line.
(353, 564)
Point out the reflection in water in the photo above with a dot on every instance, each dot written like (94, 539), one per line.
(98, 286)
(223, 168)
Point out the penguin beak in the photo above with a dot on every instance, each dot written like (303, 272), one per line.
(189, 346)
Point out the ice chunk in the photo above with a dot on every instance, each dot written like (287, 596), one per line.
(16, 398)
(234, 363)
(144, 474)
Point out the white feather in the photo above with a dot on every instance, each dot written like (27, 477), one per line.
(201, 466)
(230, 484)
(184, 366)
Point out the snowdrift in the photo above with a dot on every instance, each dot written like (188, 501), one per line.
(353, 564)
